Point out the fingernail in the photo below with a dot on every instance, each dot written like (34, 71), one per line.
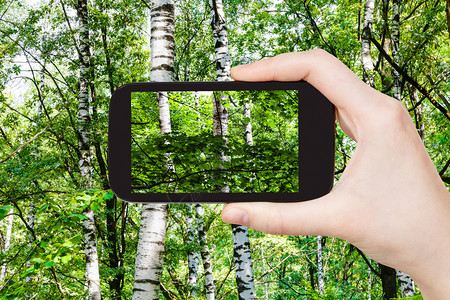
(236, 216)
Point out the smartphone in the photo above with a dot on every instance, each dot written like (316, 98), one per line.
(277, 146)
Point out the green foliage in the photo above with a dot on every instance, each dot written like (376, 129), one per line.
(39, 83)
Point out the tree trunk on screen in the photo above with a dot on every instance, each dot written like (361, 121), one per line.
(241, 242)
(152, 232)
(193, 255)
(204, 252)
(192, 231)
(405, 282)
(92, 271)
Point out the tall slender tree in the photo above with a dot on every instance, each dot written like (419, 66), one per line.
(389, 284)
(152, 232)
(193, 255)
(7, 242)
(366, 34)
(241, 242)
(204, 252)
(320, 272)
(405, 282)
(86, 180)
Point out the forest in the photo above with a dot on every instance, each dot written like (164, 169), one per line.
(63, 232)
(262, 155)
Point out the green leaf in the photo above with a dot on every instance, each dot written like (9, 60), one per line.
(49, 264)
(66, 259)
(108, 195)
(4, 210)
(44, 207)
(94, 206)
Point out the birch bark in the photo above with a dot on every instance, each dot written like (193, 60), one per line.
(405, 282)
(92, 271)
(366, 58)
(31, 221)
(320, 277)
(243, 262)
(152, 231)
(193, 255)
(241, 242)
(7, 241)
(397, 93)
(204, 252)
(388, 281)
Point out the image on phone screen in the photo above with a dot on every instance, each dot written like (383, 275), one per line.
(256, 151)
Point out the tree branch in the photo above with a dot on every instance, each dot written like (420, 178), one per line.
(409, 79)
(368, 262)
(30, 140)
(58, 283)
(316, 28)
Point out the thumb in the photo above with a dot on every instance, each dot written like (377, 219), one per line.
(316, 217)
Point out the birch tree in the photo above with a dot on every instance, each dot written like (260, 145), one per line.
(386, 273)
(241, 242)
(86, 181)
(204, 252)
(193, 255)
(152, 232)
(192, 232)
(405, 282)
(7, 242)
(320, 273)
(366, 57)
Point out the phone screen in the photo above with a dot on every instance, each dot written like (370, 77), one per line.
(256, 151)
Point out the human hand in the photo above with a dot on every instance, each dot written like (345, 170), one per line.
(389, 202)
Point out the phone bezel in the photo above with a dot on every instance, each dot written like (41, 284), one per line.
(316, 117)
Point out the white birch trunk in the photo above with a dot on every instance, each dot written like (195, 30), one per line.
(243, 263)
(31, 221)
(366, 58)
(152, 231)
(320, 277)
(7, 241)
(405, 281)
(193, 255)
(90, 249)
(150, 251)
(418, 112)
(92, 271)
(369, 284)
(241, 243)
(220, 34)
(204, 252)
(248, 126)
(395, 49)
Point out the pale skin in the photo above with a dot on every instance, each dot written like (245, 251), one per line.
(389, 202)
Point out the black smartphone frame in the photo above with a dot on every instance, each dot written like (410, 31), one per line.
(316, 133)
